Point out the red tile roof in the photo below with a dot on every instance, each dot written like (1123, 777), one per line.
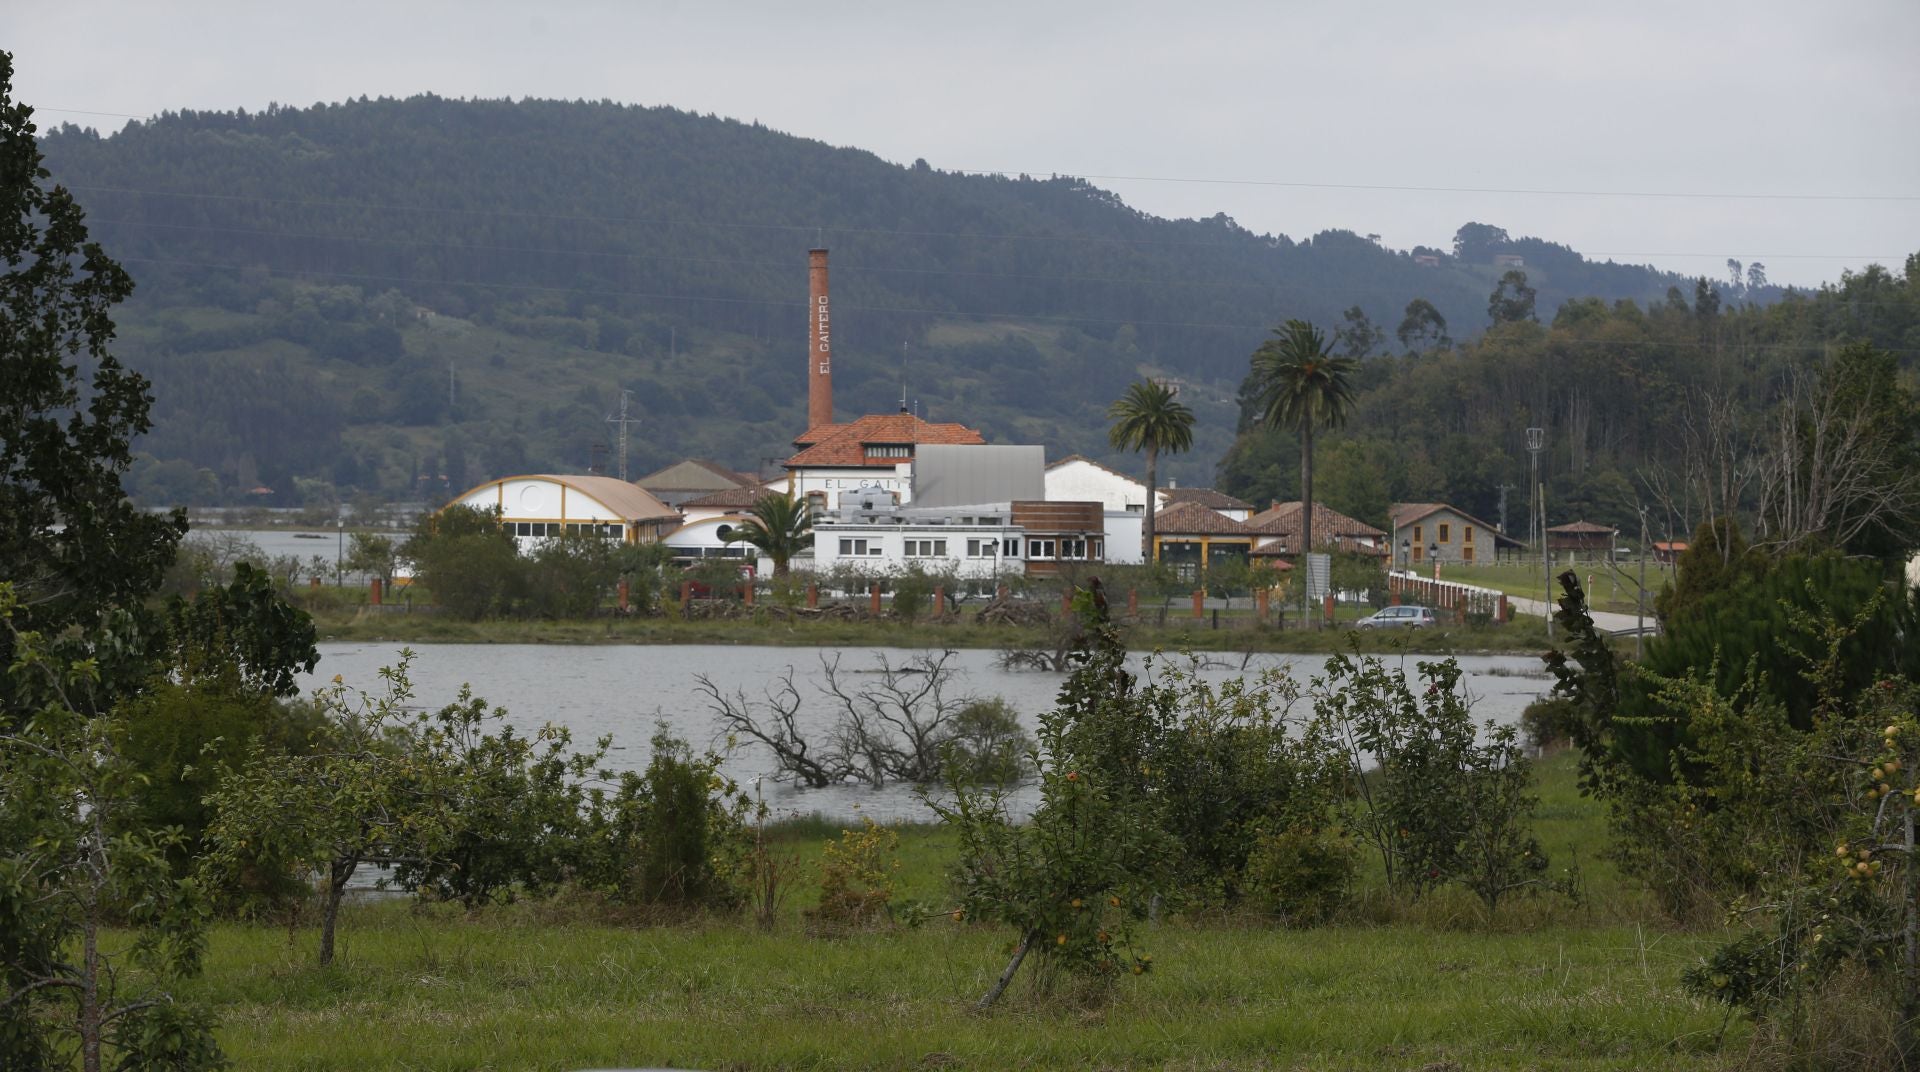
(1283, 519)
(1207, 497)
(694, 474)
(1582, 528)
(1192, 519)
(846, 444)
(817, 433)
(731, 497)
(1408, 513)
(1405, 514)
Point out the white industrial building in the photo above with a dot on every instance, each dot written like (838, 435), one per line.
(1077, 479)
(833, 463)
(978, 542)
(538, 507)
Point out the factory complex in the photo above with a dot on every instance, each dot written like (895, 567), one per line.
(892, 490)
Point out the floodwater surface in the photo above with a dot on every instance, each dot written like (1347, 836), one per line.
(626, 691)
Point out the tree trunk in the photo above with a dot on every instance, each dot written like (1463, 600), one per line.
(1306, 519)
(1013, 966)
(337, 875)
(1146, 530)
(91, 1020)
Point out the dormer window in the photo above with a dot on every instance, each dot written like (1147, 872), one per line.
(884, 450)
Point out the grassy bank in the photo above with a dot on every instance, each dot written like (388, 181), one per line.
(1235, 634)
(1550, 984)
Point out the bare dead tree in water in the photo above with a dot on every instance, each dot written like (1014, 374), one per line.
(900, 723)
(774, 721)
(897, 723)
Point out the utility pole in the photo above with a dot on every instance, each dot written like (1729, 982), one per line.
(623, 421)
(1537, 442)
(1640, 623)
(1546, 560)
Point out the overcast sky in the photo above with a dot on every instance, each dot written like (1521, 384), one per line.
(1185, 109)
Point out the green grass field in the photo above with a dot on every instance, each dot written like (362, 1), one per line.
(1609, 590)
(1549, 984)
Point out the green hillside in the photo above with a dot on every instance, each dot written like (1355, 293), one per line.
(369, 296)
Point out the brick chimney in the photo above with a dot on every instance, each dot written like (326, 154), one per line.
(819, 342)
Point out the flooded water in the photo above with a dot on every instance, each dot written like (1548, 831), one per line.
(625, 690)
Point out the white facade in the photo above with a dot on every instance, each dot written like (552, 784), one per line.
(1079, 480)
(536, 508)
(702, 539)
(1123, 537)
(840, 486)
(974, 542)
(972, 552)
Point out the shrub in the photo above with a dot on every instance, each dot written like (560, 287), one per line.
(675, 836)
(1300, 875)
(987, 745)
(1440, 806)
(912, 591)
(1549, 722)
(181, 739)
(472, 566)
(1071, 879)
(1842, 913)
(857, 876)
(521, 814)
(1154, 790)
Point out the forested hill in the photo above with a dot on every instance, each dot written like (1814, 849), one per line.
(397, 296)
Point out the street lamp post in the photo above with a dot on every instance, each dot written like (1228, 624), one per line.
(339, 549)
(1406, 554)
(1433, 556)
(1537, 519)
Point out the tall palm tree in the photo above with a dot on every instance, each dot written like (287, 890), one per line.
(780, 526)
(1149, 418)
(1302, 386)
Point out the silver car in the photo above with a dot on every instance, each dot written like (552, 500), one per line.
(1398, 618)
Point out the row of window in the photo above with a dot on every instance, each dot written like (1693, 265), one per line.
(1446, 534)
(570, 528)
(1038, 549)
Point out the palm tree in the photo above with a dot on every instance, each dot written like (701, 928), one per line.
(1148, 418)
(1302, 386)
(780, 526)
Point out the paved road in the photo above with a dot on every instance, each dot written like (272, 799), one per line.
(1611, 622)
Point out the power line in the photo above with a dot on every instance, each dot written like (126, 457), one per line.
(1519, 191)
(817, 229)
(82, 111)
(611, 254)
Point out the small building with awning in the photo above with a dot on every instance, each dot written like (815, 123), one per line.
(1582, 537)
(1193, 539)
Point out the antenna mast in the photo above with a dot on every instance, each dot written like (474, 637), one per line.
(623, 421)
